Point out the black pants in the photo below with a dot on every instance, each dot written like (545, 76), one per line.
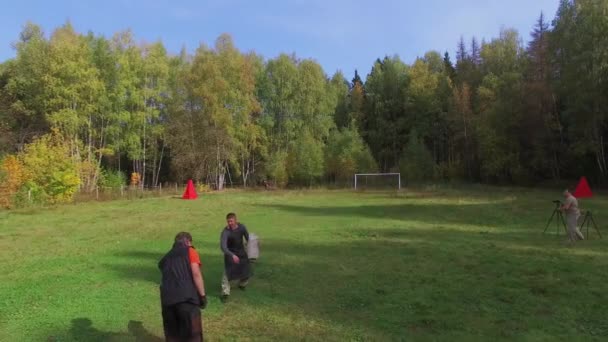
(182, 323)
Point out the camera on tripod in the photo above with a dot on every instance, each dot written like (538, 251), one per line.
(557, 217)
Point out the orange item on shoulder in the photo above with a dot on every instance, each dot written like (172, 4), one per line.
(193, 256)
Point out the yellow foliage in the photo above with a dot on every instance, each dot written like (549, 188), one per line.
(201, 188)
(67, 183)
(135, 178)
(87, 171)
(12, 177)
(52, 173)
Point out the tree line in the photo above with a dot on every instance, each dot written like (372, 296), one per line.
(81, 110)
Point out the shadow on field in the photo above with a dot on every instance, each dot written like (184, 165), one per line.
(440, 282)
(82, 330)
(142, 266)
(467, 213)
(422, 284)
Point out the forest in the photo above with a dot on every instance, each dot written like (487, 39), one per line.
(81, 111)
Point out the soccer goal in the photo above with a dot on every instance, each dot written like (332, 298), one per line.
(377, 181)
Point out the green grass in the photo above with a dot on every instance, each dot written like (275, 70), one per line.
(446, 265)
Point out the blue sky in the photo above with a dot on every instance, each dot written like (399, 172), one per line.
(339, 34)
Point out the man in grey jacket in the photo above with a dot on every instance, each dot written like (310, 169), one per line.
(570, 208)
(236, 261)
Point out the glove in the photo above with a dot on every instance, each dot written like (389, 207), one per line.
(203, 300)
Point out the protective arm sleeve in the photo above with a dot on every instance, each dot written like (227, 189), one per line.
(224, 243)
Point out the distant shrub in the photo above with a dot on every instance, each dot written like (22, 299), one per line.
(112, 179)
(51, 172)
(202, 188)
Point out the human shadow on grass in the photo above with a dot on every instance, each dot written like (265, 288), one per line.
(82, 330)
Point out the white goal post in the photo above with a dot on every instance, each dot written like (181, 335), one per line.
(398, 175)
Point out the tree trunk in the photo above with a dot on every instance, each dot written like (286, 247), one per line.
(102, 143)
(160, 161)
(89, 152)
(556, 173)
(143, 171)
(219, 172)
(154, 167)
(602, 154)
(229, 176)
(599, 142)
(77, 158)
(243, 171)
(466, 147)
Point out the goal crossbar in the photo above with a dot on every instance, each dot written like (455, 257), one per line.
(379, 174)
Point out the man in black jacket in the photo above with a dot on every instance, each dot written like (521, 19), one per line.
(236, 261)
(182, 291)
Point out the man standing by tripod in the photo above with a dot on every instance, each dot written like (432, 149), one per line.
(570, 208)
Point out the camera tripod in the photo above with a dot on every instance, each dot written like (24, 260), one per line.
(558, 217)
(588, 220)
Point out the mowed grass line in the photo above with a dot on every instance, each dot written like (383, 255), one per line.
(430, 265)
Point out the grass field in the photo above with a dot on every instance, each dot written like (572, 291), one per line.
(445, 265)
